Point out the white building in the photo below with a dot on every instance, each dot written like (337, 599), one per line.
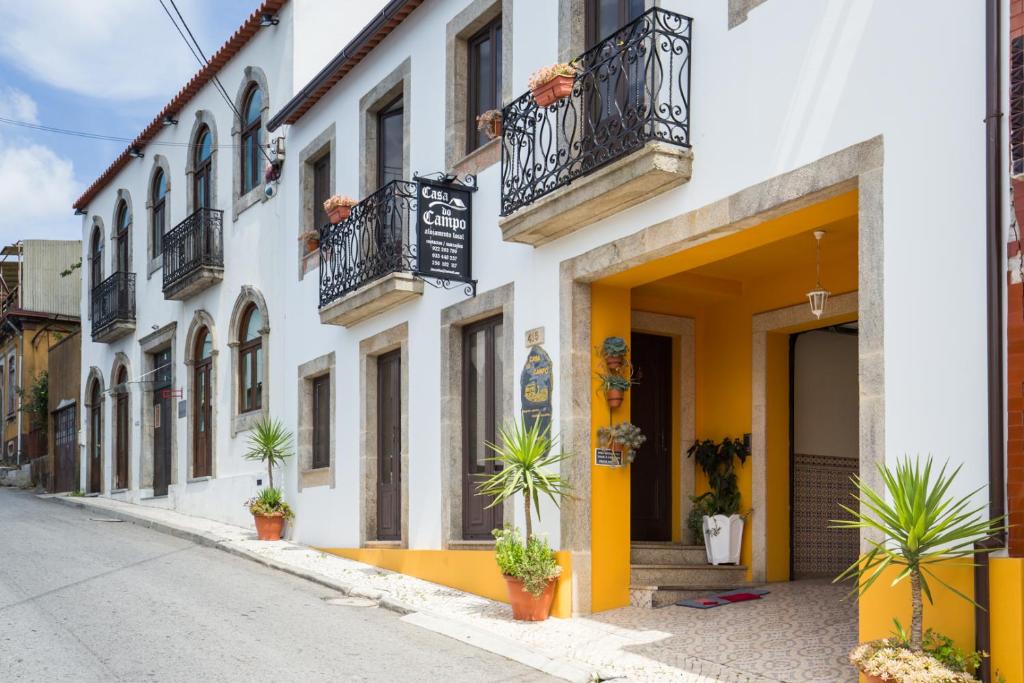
(671, 200)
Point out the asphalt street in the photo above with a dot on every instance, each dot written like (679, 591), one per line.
(88, 599)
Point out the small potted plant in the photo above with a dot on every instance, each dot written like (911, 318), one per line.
(311, 239)
(269, 511)
(551, 83)
(339, 207)
(624, 437)
(918, 526)
(527, 457)
(614, 386)
(489, 123)
(270, 443)
(614, 350)
(938, 660)
(721, 522)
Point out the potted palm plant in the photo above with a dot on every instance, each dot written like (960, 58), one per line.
(722, 523)
(270, 443)
(526, 456)
(917, 526)
(551, 83)
(338, 207)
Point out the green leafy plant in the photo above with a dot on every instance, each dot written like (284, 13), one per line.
(626, 435)
(890, 660)
(917, 526)
(614, 346)
(269, 502)
(525, 455)
(35, 400)
(271, 443)
(702, 505)
(533, 563)
(77, 493)
(717, 460)
(613, 381)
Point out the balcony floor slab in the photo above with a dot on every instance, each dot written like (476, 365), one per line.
(188, 286)
(372, 299)
(113, 331)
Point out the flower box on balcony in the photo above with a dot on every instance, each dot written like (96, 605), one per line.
(552, 83)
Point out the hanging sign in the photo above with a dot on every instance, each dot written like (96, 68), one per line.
(535, 383)
(606, 457)
(444, 229)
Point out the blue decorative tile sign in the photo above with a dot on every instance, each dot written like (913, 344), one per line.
(535, 384)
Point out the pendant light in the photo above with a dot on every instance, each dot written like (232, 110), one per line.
(819, 295)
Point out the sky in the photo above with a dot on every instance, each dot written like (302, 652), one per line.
(100, 66)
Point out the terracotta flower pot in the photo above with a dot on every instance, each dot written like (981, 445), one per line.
(269, 527)
(613, 362)
(550, 92)
(869, 678)
(312, 245)
(339, 213)
(614, 397)
(526, 606)
(494, 130)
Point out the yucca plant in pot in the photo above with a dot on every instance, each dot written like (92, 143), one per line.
(526, 456)
(270, 443)
(722, 523)
(915, 525)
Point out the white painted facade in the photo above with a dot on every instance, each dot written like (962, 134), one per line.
(798, 80)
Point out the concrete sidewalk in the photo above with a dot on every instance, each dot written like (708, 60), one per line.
(578, 649)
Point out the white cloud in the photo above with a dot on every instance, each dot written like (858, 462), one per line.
(117, 49)
(15, 104)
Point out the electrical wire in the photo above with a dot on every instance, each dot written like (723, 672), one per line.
(92, 136)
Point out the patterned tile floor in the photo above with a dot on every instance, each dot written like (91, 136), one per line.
(801, 633)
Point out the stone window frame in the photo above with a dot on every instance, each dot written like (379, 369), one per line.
(572, 26)
(307, 476)
(458, 31)
(398, 82)
(95, 226)
(241, 422)
(121, 360)
(95, 377)
(201, 319)
(155, 263)
(454, 318)
(323, 144)
(370, 349)
(125, 196)
(739, 9)
(204, 118)
(158, 340)
(240, 202)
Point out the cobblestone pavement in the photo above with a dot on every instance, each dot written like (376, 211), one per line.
(799, 633)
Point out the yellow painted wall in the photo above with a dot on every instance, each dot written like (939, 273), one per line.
(950, 615)
(473, 571)
(609, 486)
(32, 348)
(1006, 617)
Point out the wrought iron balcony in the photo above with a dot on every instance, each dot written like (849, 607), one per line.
(631, 89)
(112, 304)
(193, 254)
(371, 243)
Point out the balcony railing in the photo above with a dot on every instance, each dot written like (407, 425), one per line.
(113, 302)
(195, 243)
(630, 89)
(371, 243)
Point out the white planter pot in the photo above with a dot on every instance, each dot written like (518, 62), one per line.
(722, 538)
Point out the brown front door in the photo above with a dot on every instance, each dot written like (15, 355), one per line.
(482, 393)
(203, 445)
(389, 446)
(163, 422)
(121, 437)
(95, 441)
(651, 411)
(65, 443)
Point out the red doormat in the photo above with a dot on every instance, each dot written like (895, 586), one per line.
(740, 595)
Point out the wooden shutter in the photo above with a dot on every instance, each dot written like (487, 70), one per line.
(322, 422)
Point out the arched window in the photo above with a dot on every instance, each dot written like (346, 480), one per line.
(96, 257)
(121, 421)
(203, 163)
(250, 359)
(123, 224)
(158, 197)
(251, 138)
(202, 428)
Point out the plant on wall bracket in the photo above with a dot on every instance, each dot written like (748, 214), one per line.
(625, 437)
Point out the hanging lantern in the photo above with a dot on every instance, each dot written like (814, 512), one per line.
(819, 295)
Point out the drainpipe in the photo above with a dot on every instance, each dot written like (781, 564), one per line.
(996, 275)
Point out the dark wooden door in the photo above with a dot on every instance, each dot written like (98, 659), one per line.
(482, 393)
(389, 447)
(121, 438)
(651, 411)
(65, 440)
(322, 422)
(163, 422)
(203, 445)
(95, 441)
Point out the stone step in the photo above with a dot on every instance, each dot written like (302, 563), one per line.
(666, 553)
(694, 576)
(652, 597)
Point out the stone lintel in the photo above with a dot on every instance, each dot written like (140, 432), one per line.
(654, 168)
(372, 299)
